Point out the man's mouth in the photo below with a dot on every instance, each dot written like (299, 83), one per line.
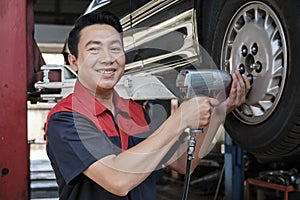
(106, 71)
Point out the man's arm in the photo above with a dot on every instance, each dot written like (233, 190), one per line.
(121, 173)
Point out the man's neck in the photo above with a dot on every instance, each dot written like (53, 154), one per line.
(106, 99)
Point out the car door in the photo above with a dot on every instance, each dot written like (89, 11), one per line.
(163, 35)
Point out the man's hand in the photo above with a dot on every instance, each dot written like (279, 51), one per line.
(196, 112)
(239, 88)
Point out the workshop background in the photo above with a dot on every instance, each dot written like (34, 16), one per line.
(33, 34)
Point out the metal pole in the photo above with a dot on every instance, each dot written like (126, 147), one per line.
(234, 170)
(14, 159)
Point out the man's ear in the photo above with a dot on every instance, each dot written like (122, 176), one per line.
(73, 62)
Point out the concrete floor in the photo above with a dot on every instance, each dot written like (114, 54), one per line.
(44, 187)
(174, 191)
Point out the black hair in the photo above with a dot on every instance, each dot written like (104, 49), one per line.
(95, 17)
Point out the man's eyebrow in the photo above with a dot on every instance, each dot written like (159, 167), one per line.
(93, 42)
(116, 41)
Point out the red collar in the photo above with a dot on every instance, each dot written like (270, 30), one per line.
(94, 106)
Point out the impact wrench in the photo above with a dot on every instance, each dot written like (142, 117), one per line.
(200, 83)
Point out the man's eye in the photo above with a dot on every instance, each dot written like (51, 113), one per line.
(116, 49)
(94, 50)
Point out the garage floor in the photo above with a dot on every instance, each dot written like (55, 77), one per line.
(171, 191)
(44, 187)
(174, 190)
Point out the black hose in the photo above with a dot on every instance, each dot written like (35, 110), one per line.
(190, 156)
(187, 178)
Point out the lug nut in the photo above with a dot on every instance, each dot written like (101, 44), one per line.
(250, 78)
(244, 51)
(254, 49)
(242, 69)
(258, 66)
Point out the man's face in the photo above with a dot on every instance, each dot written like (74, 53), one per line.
(101, 59)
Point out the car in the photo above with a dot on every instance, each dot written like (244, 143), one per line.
(259, 38)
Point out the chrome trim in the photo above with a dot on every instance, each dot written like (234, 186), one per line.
(150, 9)
(190, 48)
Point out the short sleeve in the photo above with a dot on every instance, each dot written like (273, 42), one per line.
(74, 143)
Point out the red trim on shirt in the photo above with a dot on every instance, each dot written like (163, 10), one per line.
(130, 119)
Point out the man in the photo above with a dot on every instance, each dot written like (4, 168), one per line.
(104, 147)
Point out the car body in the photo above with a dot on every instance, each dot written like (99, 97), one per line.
(256, 37)
(259, 38)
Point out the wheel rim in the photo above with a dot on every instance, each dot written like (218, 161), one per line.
(255, 44)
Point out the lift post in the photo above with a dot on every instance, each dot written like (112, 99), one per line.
(234, 170)
(14, 151)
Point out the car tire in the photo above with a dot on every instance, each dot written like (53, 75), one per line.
(268, 124)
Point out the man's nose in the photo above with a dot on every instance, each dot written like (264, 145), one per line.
(106, 56)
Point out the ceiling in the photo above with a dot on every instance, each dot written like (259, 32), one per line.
(53, 20)
(62, 12)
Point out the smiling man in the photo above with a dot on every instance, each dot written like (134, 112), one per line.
(100, 62)
(102, 146)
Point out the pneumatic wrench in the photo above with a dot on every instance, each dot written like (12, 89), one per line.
(193, 83)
